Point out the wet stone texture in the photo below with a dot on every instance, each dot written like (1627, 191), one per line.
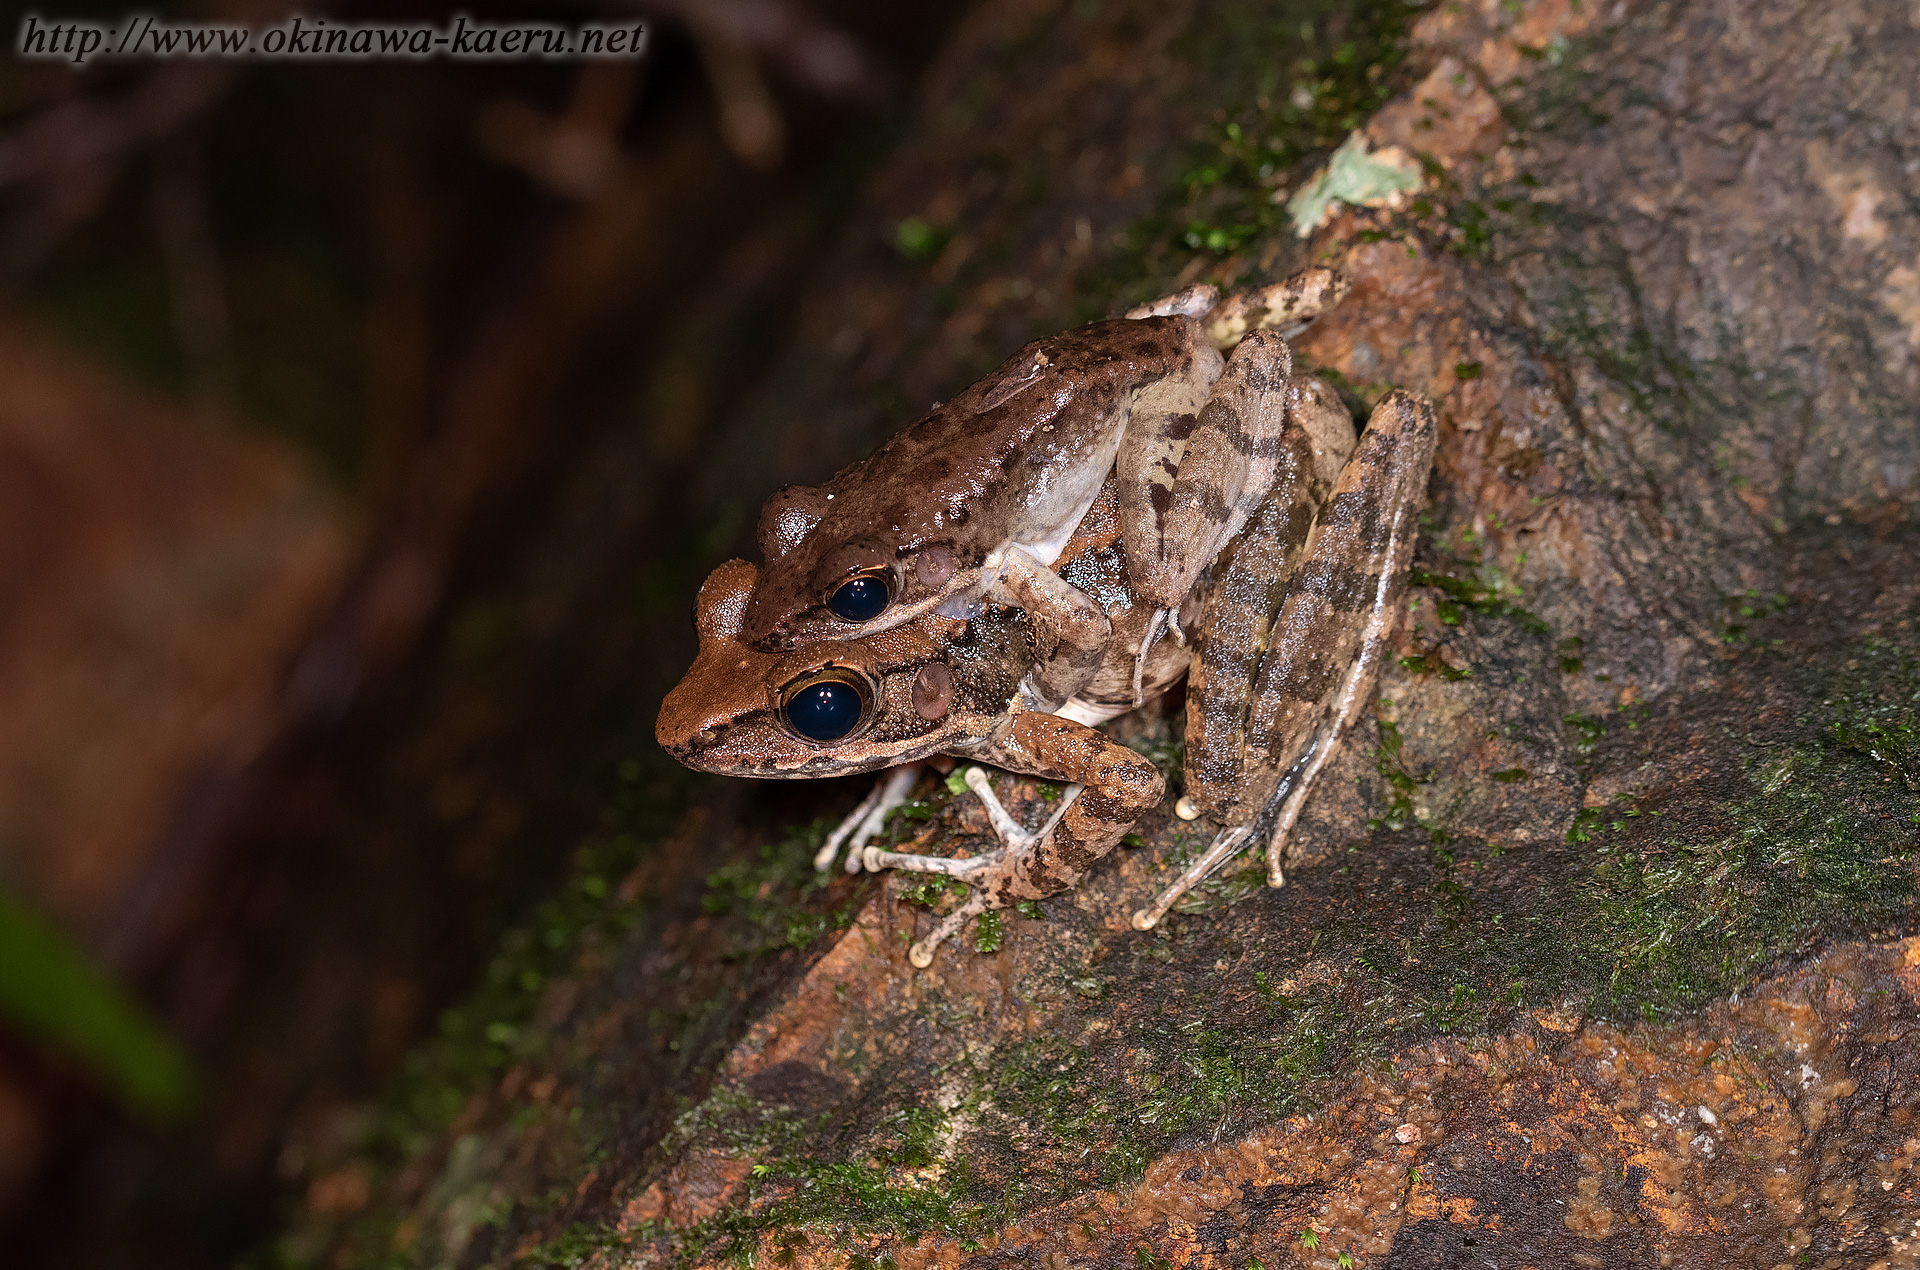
(1598, 949)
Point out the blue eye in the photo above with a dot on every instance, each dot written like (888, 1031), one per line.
(825, 710)
(860, 599)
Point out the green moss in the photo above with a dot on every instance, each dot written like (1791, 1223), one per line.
(1822, 837)
(899, 1187)
(1486, 590)
(989, 930)
(1897, 747)
(1685, 915)
(1428, 661)
(1388, 762)
(1587, 730)
(1308, 76)
(776, 894)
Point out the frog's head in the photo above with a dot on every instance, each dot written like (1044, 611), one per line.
(836, 707)
(832, 575)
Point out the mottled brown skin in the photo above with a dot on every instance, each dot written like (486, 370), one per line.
(1284, 641)
(1289, 609)
(994, 481)
(1003, 462)
(937, 687)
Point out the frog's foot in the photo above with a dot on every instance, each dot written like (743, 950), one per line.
(1194, 301)
(1230, 842)
(1287, 307)
(867, 819)
(987, 874)
(921, 954)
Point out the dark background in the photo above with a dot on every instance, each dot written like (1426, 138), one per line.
(357, 466)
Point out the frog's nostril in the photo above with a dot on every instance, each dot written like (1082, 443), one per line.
(860, 599)
(825, 710)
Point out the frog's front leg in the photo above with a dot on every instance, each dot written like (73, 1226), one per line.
(1252, 757)
(867, 819)
(1119, 786)
(1070, 628)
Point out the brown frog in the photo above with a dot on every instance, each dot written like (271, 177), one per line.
(989, 486)
(1283, 637)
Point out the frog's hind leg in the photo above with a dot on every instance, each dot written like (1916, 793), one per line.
(1287, 307)
(1340, 611)
(1177, 514)
(1227, 843)
(866, 820)
(1196, 300)
(1288, 656)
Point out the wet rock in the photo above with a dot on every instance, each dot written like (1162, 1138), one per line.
(1597, 951)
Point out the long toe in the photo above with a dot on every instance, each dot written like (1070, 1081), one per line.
(921, 954)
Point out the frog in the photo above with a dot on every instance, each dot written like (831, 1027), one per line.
(1280, 639)
(990, 485)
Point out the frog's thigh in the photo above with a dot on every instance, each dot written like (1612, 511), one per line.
(1120, 787)
(1249, 584)
(1318, 411)
(1173, 530)
(1341, 604)
(1152, 446)
(1072, 629)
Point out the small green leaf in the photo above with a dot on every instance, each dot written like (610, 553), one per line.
(53, 994)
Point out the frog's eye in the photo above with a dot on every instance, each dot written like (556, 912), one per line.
(828, 706)
(863, 598)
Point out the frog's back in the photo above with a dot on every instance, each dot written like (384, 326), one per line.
(1014, 458)
(973, 467)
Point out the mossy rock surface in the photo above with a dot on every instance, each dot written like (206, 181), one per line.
(1595, 949)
